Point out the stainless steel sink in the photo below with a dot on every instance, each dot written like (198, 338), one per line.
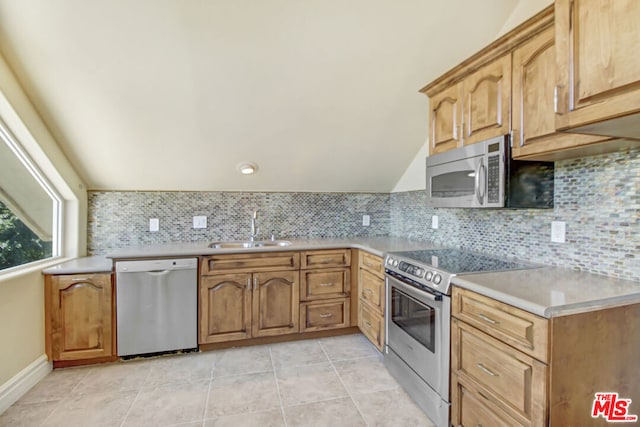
(240, 244)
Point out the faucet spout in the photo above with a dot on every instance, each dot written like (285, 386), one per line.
(254, 229)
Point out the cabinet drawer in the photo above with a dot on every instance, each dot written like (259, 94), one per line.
(250, 262)
(326, 314)
(372, 289)
(327, 258)
(372, 263)
(371, 324)
(471, 408)
(323, 284)
(523, 330)
(508, 377)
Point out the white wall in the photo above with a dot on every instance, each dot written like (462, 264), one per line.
(22, 292)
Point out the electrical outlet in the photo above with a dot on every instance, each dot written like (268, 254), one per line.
(154, 224)
(558, 231)
(366, 220)
(199, 222)
(434, 222)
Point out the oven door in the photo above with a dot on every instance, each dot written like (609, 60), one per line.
(418, 331)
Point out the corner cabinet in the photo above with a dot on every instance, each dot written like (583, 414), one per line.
(598, 80)
(79, 318)
(248, 296)
(512, 368)
(371, 297)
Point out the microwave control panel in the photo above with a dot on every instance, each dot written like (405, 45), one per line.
(493, 179)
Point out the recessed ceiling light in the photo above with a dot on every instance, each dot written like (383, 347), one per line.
(247, 168)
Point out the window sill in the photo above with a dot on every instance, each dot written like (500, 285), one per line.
(23, 270)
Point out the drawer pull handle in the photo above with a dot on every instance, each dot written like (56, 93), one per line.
(485, 370)
(368, 290)
(487, 319)
(324, 285)
(483, 395)
(367, 324)
(325, 315)
(80, 279)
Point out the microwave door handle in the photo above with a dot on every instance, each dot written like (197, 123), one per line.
(478, 183)
(483, 182)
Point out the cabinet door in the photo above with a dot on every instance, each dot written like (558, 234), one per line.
(372, 289)
(276, 303)
(225, 307)
(445, 110)
(598, 66)
(533, 119)
(81, 316)
(487, 101)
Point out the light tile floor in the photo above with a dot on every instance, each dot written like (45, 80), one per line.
(338, 381)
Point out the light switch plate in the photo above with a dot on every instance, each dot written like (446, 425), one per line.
(366, 220)
(434, 222)
(558, 231)
(154, 224)
(199, 222)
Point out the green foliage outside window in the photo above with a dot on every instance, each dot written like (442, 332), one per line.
(18, 244)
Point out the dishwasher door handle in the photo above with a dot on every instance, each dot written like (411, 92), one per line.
(158, 272)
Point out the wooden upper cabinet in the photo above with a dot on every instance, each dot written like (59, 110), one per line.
(276, 303)
(80, 321)
(445, 110)
(533, 117)
(487, 101)
(472, 110)
(598, 66)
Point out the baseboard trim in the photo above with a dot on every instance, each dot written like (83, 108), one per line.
(22, 382)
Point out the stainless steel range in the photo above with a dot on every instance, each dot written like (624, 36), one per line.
(418, 316)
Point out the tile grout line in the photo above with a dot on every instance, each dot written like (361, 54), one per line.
(275, 377)
(130, 407)
(344, 385)
(206, 402)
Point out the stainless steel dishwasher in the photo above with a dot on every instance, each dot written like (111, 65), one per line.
(157, 305)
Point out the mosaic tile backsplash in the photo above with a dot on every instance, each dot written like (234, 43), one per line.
(121, 219)
(598, 198)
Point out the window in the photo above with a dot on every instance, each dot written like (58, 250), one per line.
(30, 210)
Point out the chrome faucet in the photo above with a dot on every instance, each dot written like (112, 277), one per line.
(254, 230)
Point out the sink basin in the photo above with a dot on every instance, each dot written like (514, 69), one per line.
(240, 244)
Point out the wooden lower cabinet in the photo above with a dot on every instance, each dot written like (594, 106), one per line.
(79, 317)
(371, 301)
(238, 306)
(510, 367)
(371, 323)
(225, 307)
(325, 314)
(511, 380)
(276, 303)
(473, 408)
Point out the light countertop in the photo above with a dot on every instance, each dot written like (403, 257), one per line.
(90, 264)
(552, 291)
(545, 291)
(376, 245)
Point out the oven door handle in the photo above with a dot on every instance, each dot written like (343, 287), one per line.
(424, 293)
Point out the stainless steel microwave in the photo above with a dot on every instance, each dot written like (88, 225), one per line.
(483, 175)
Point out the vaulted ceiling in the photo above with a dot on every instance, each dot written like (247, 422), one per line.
(174, 94)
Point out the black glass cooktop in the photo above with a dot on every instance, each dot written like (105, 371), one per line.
(458, 261)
